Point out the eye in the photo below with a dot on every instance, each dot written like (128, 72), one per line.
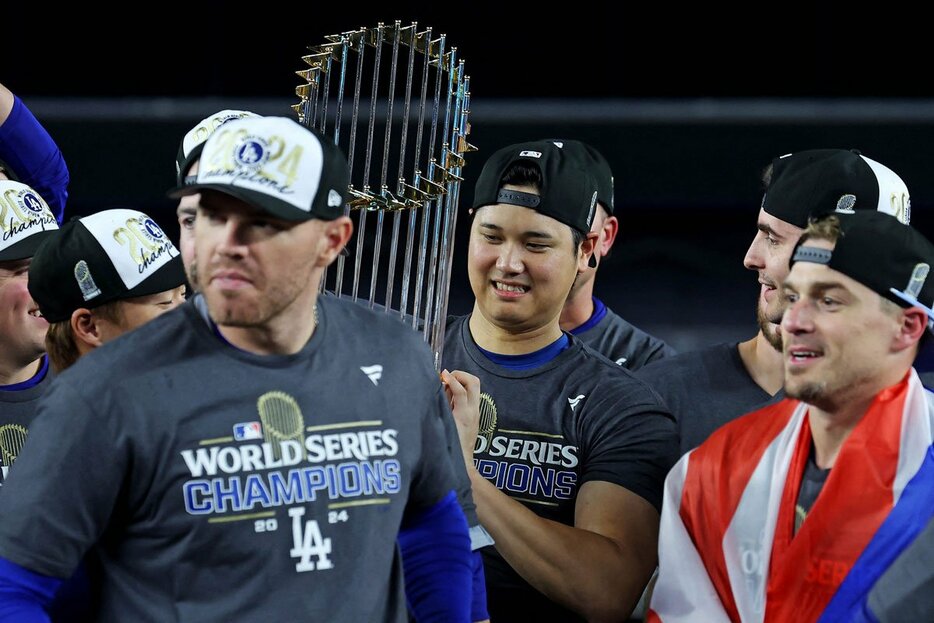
(772, 240)
(829, 303)
(490, 238)
(536, 246)
(790, 297)
(187, 221)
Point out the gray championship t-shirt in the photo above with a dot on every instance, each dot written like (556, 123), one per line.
(705, 389)
(18, 406)
(219, 485)
(621, 342)
(544, 432)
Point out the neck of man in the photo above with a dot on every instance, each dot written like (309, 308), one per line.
(763, 363)
(512, 340)
(12, 373)
(286, 333)
(831, 424)
(579, 307)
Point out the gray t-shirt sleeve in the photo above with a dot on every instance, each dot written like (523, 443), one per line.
(437, 472)
(56, 502)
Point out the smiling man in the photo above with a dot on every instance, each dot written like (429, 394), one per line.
(710, 386)
(819, 493)
(565, 450)
(24, 369)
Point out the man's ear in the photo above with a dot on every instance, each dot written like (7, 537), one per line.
(85, 328)
(336, 235)
(586, 257)
(914, 324)
(610, 230)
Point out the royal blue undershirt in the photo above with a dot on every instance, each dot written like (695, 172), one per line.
(35, 380)
(529, 360)
(599, 311)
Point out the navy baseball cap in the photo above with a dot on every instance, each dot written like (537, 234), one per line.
(276, 165)
(820, 181)
(568, 192)
(599, 168)
(192, 143)
(26, 223)
(109, 256)
(888, 257)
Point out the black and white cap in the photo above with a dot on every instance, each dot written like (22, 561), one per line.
(878, 251)
(109, 256)
(25, 221)
(820, 181)
(569, 190)
(275, 164)
(193, 142)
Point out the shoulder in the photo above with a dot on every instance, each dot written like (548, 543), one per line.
(714, 356)
(160, 342)
(747, 435)
(616, 383)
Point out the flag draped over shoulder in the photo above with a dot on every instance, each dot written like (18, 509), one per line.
(727, 548)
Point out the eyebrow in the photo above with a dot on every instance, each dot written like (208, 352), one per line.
(525, 234)
(768, 230)
(817, 286)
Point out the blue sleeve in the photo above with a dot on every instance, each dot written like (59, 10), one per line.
(478, 609)
(437, 564)
(34, 157)
(24, 594)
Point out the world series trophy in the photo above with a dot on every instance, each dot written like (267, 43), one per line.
(397, 102)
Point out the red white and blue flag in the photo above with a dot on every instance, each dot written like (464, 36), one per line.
(727, 547)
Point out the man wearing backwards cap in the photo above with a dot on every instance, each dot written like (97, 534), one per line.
(101, 276)
(817, 494)
(586, 316)
(251, 472)
(711, 386)
(566, 452)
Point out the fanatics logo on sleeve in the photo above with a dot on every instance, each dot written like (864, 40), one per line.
(247, 430)
(575, 401)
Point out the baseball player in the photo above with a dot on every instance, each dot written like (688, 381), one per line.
(586, 316)
(222, 476)
(186, 170)
(708, 387)
(815, 496)
(186, 166)
(24, 368)
(101, 276)
(566, 451)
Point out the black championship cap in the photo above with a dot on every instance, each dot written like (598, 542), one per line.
(193, 142)
(599, 168)
(27, 221)
(276, 165)
(820, 181)
(875, 249)
(108, 256)
(569, 190)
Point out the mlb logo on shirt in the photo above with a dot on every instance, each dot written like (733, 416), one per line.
(247, 430)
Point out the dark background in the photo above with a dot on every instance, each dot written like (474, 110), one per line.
(688, 103)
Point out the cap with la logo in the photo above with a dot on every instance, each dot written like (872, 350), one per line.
(109, 256)
(276, 165)
(25, 221)
(193, 142)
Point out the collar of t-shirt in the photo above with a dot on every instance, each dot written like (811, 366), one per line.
(35, 380)
(599, 311)
(529, 360)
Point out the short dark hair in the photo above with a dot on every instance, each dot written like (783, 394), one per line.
(522, 174)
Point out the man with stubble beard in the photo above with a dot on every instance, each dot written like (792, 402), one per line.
(709, 387)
